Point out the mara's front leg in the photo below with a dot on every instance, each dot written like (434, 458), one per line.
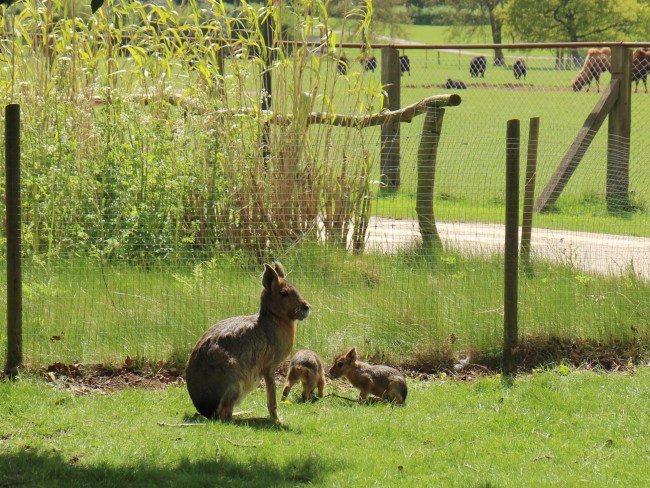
(271, 402)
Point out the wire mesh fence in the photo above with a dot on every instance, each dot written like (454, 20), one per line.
(154, 188)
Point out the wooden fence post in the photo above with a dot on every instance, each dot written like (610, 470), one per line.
(618, 133)
(221, 67)
(529, 193)
(390, 132)
(14, 252)
(427, 153)
(267, 85)
(510, 285)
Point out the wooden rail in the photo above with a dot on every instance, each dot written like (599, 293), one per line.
(405, 114)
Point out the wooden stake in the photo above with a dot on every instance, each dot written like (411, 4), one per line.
(510, 287)
(14, 244)
(427, 153)
(529, 193)
(390, 133)
(618, 133)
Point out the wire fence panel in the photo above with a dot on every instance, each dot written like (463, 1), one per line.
(154, 189)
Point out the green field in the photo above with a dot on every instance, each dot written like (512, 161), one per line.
(548, 428)
(470, 177)
(388, 306)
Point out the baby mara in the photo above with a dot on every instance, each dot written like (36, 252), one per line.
(307, 367)
(382, 381)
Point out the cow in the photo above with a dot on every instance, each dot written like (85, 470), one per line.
(342, 65)
(477, 67)
(597, 61)
(404, 65)
(455, 84)
(369, 63)
(519, 69)
(640, 68)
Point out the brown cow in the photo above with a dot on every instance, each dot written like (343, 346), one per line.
(597, 61)
(640, 68)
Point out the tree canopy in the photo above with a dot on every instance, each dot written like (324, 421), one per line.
(574, 20)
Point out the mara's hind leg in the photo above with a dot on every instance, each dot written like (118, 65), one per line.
(227, 404)
(321, 386)
(394, 394)
(308, 386)
(292, 379)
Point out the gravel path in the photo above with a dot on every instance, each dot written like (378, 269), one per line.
(600, 253)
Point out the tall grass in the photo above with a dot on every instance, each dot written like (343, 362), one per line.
(388, 306)
(129, 155)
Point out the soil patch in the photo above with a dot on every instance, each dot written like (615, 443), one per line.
(102, 378)
(433, 360)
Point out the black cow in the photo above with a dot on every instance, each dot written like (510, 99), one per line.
(404, 65)
(519, 69)
(369, 63)
(342, 65)
(455, 84)
(477, 67)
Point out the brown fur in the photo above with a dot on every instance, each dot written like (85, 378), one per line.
(233, 355)
(640, 67)
(307, 368)
(597, 61)
(382, 381)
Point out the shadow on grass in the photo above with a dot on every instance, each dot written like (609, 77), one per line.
(263, 423)
(34, 468)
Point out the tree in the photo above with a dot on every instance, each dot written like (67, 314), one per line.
(573, 20)
(481, 12)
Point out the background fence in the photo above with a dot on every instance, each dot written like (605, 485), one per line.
(153, 187)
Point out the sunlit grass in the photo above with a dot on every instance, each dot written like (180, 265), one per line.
(383, 304)
(551, 428)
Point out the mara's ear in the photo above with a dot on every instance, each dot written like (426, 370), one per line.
(269, 277)
(352, 354)
(280, 269)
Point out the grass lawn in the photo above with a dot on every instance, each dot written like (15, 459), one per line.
(384, 304)
(551, 428)
(470, 171)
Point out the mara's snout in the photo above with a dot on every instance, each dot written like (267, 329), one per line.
(303, 311)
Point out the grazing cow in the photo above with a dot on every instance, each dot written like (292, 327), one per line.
(640, 68)
(477, 67)
(455, 84)
(519, 69)
(369, 63)
(597, 61)
(404, 65)
(342, 65)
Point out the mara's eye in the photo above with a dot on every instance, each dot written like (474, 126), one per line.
(284, 293)
(340, 364)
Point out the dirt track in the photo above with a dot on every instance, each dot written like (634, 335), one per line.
(600, 253)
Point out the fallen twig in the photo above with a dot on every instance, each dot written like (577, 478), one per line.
(185, 424)
(342, 397)
(545, 456)
(257, 444)
(244, 412)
